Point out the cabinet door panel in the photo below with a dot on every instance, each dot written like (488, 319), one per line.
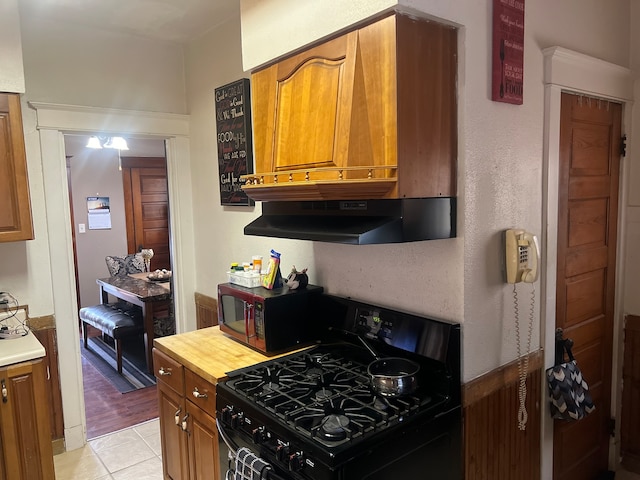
(304, 103)
(15, 214)
(174, 440)
(24, 420)
(203, 445)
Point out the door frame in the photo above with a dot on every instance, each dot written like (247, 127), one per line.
(52, 122)
(569, 71)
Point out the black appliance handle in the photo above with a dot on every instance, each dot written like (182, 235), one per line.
(233, 451)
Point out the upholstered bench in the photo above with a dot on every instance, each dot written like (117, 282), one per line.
(118, 320)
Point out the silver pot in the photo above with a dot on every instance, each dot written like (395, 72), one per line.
(393, 376)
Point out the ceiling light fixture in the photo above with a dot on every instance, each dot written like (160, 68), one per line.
(117, 143)
(94, 142)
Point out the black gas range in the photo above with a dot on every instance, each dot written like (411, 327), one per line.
(315, 414)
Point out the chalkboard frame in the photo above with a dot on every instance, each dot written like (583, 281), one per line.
(234, 141)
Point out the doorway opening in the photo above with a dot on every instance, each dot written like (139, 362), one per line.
(134, 185)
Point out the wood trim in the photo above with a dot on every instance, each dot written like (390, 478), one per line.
(580, 72)
(494, 381)
(206, 310)
(143, 162)
(57, 446)
(128, 209)
(494, 447)
(41, 323)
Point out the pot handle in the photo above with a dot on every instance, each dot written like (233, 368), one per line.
(362, 341)
(368, 347)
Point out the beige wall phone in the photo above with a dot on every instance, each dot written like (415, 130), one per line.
(522, 258)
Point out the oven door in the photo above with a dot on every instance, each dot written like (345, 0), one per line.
(234, 457)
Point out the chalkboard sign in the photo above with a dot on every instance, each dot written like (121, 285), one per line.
(235, 152)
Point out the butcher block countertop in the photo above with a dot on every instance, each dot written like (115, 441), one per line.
(209, 353)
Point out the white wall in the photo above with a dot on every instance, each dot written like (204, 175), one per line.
(500, 161)
(94, 173)
(11, 73)
(213, 61)
(71, 64)
(299, 23)
(632, 234)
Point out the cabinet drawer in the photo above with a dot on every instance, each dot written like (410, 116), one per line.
(200, 392)
(168, 371)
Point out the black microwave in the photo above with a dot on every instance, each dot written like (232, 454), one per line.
(270, 321)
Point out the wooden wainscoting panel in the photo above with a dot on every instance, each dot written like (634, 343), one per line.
(494, 447)
(206, 311)
(630, 417)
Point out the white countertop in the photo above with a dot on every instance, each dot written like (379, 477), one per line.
(22, 349)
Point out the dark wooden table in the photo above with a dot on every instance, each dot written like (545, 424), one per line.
(137, 290)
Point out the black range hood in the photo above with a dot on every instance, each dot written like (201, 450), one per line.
(358, 222)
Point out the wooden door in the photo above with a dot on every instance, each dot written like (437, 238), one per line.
(590, 132)
(147, 208)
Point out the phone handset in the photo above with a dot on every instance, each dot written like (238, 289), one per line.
(522, 254)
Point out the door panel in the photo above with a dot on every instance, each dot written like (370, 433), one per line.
(590, 131)
(147, 199)
(151, 210)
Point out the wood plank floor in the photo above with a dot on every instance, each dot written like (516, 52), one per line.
(107, 410)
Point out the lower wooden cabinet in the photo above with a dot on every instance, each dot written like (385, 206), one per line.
(187, 421)
(25, 434)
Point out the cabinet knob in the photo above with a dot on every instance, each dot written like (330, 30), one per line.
(197, 394)
(164, 373)
(177, 416)
(5, 394)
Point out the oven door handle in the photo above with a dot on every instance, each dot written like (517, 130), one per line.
(233, 452)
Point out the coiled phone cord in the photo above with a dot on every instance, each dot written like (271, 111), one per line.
(523, 363)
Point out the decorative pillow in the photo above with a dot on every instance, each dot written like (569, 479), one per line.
(120, 266)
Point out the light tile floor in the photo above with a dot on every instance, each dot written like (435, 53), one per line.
(130, 454)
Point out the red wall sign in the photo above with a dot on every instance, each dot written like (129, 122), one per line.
(508, 51)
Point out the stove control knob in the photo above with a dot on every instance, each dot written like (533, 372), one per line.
(282, 452)
(259, 435)
(226, 414)
(237, 420)
(296, 462)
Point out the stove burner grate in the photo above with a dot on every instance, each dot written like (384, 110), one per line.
(325, 396)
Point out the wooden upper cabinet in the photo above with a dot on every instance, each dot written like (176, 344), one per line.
(369, 114)
(15, 214)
